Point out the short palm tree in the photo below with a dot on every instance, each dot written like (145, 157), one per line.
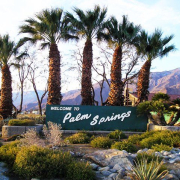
(119, 35)
(150, 47)
(7, 50)
(88, 25)
(49, 28)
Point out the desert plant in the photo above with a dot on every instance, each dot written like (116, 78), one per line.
(78, 138)
(149, 156)
(24, 122)
(53, 134)
(8, 152)
(124, 145)
(80, 171)
(41, 162)
(164, 137)
(101, 142)
(117, 134)
(31, 138)
(161, 147)
(142, 170)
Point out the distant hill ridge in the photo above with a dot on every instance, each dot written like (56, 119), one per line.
(166, 82)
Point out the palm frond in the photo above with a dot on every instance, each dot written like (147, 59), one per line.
(87, 23)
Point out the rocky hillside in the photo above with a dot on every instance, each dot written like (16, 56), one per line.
(166, 82)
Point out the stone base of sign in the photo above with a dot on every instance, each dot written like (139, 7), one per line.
(152, 127)
(8, 131)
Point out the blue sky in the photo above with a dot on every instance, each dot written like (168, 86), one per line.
(150, 14)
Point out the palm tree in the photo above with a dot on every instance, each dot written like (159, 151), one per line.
(49, 28)
(150, 47)
(119, 35)
(7, 50)
(88, 25)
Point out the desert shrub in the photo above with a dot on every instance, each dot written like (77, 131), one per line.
(135, 139)
(142, 170)
(78, 138)
(149, 156)
(37, 118)
(101, 142)
(80, 171)
(176, 138)
(40, 119)
(8, 152)
(41, 162)
(124, 145)
(53, 134)
(30, 138)
(24, 122)
(117, 134)
(160, 137)
(1, 144)
(161, 147)
(149, 139)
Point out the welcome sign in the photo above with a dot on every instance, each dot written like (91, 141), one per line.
(104, 118)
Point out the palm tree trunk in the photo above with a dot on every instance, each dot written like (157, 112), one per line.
(86, 83)
(54, 81)
(6, 93)
(143, 82)
(115, 97)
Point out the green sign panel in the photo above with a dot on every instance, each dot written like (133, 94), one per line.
(104, 118)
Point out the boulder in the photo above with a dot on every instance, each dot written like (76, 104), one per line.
(111, 157)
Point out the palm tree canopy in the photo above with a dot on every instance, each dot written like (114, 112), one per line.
(7, 49)
(47, 26)
(153, 46)
(88, 24)
(120, 34)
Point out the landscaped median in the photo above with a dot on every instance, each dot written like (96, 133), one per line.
(18, 127)
(8, 131)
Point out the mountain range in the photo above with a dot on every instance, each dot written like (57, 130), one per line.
(166, 82)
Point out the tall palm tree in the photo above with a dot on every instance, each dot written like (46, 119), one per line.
(119, 35)
(150, 47)
(7, 50)
(88, 25)
(48, 27)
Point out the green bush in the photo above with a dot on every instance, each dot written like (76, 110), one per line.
(160, 137)
(161, 147)
(117, 134)
(24, 122)
(78, 138)
(37, 118)
(38, 162)
(80, 171)
(101, 142)
(8, 152)
(149, 156)
(135, 139)
(149, 139)
(124, 145)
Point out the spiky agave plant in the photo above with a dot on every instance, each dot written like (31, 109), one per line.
(147, 171)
